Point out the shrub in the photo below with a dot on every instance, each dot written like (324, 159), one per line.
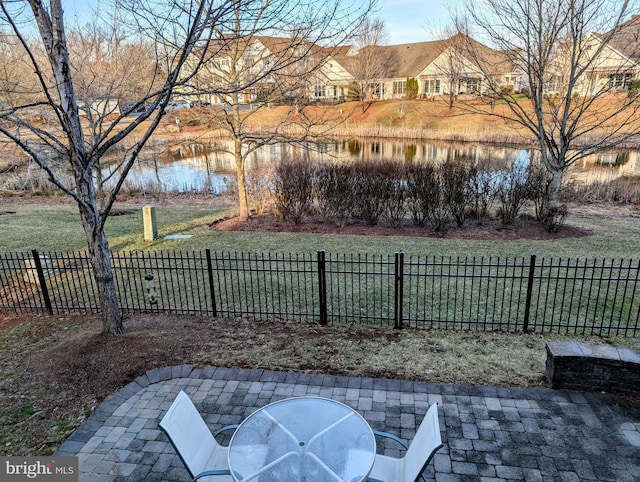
(292, 184)
(538, 180)
(396, 193)
(369, 185)
(411, 89)
(420, 180)
(354, 94)
(634, 88)
(482, 188)
(507, 90)
(260, 188)
(428, 195)
(455, 179)
(554, 218)
(332, 189)
(513, 190)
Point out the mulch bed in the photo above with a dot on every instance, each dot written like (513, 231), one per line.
(523, 229)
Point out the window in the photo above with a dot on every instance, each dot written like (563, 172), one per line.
(432, 86)
(399, 87)
(473, 85)
(319, 91)
(619, 80)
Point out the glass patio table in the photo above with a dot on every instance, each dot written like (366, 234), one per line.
(302, 439)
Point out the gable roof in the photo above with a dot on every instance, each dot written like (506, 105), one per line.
(403, 60)
(626, 38)
(411, 59)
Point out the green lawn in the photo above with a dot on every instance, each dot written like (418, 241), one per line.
(55, 226)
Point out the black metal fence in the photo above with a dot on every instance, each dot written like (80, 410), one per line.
(530, 294)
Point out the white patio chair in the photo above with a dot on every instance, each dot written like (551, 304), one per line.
(409, 468)
(197, 447)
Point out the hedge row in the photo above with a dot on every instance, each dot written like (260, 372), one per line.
(428, 194)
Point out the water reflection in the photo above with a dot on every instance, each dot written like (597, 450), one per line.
(210, 169)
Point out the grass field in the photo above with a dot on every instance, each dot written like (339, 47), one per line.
(54, 225)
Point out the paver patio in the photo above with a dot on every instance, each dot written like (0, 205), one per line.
(489, 433)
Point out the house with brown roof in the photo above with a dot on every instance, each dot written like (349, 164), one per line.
(611, 68)
(332, 79)
(619, 61)
(262, 67)
(605, 62)
(441, 67)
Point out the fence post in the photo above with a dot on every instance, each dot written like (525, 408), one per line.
(42, 281)
(212, 291)
(399, 290)
(322, 287)
(527, 305)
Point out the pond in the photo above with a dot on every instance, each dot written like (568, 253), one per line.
(201, 168)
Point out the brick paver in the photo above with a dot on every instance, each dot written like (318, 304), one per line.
(489, 433)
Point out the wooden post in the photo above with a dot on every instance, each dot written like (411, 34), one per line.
(149, 221)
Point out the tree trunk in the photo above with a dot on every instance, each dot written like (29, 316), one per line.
(103, 274)
(101, 263)
(555, 187)
(242, 187)
(555, 212)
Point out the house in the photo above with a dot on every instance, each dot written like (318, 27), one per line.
(271, 69)
(621, 59)
(229, 63)
(441, 67)
(611, 68)
(600, 63)
(332, 79)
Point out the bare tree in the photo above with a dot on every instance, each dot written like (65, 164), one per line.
(109, 66)
(563, 51)
(47, 121)
(369, 64)
(272, 56)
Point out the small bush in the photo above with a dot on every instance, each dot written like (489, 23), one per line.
(411, 89)
(455, 178)
(333, 185)
(554, 218)
(634, 88)
(512, 192)
(507, 90)
(369, 190)
(538, 180)
(420, 182)
(482, 187)
(292, 182)
(396, 193)
(260, 189)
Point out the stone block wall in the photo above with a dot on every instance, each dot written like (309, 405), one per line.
(601, 368)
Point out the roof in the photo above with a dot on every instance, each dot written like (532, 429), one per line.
(409, 60)
(406, 60)
(626, 38)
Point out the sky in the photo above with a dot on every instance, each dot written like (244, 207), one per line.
(406, 20)
(413, 20)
